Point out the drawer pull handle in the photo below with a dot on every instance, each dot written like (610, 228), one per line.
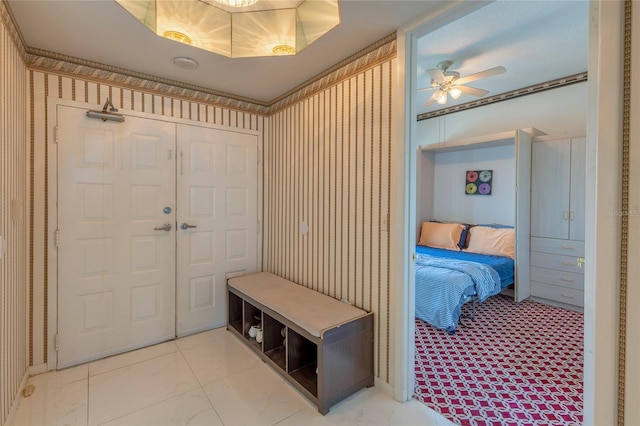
(568, 263)
(569, 280)
(566, 295)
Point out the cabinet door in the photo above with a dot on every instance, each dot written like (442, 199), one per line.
(578, 177)
(550, 173)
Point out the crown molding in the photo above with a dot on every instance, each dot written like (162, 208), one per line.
(14, 32)
(380, 51)
(74, 67)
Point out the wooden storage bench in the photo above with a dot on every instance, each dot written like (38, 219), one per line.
(323, 346)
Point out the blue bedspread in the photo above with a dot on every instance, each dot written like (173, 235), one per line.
(504, 266)
(443, 285)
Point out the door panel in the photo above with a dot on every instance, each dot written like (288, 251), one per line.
(578, 195)
(116, 274)
(550, 189)
(217, 196)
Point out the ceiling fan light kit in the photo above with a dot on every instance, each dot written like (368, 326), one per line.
(455, 92)
(449, 83)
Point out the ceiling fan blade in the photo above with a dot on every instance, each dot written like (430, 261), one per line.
(428, 88)
(436, 74)
(471, 90)
(482, 74)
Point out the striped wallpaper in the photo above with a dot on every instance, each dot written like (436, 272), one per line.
(327, 167)
(14, 224)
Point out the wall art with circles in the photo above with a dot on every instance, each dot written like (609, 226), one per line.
(478, 182)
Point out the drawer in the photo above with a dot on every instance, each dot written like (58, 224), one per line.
(564, 247)
(555, 261)
(555, 277)
(559, 294)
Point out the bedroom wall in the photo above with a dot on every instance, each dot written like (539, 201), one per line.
(558, 112)
(451, 203)
(14, 222)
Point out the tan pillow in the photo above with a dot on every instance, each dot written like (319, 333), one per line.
(441, 235)
(495, 241)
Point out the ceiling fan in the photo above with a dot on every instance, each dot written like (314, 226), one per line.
(449, 83)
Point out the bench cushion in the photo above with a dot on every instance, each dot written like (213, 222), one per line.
(309, 309)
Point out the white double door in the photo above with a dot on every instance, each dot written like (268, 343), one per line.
(152, 218)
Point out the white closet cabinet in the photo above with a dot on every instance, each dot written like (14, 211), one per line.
(557, 189)
(557, 220)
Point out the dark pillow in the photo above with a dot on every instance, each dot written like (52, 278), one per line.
(463, 237)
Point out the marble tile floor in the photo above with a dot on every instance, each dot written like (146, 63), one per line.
(210, 378)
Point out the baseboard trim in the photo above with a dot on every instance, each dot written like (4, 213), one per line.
(566, 306)
(38, 369)
(385, 387)
(17, 399)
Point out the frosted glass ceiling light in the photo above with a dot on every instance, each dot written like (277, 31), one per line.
(442, 99)
(238, 28)
(283, 49)
(455, 92)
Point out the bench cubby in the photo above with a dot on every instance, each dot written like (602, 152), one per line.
(322, 346)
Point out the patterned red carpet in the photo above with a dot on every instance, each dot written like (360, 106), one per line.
(516, 364)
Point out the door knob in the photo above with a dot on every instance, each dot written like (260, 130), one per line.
(165, 227)
(185, 225)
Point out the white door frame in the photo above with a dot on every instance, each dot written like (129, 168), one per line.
(403, 180)
(603, 136)
(52, 220)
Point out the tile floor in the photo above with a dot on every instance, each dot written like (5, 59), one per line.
(209, 379)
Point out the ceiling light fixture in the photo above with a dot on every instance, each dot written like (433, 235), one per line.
(455, 92)
(447, 83)
(258, 30)
(446, 87)
(283, 49)
(177, 36)
(185, 63)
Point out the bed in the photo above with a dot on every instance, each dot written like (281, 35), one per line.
(465, 271)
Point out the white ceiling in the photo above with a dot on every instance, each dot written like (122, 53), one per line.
(536, 41)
